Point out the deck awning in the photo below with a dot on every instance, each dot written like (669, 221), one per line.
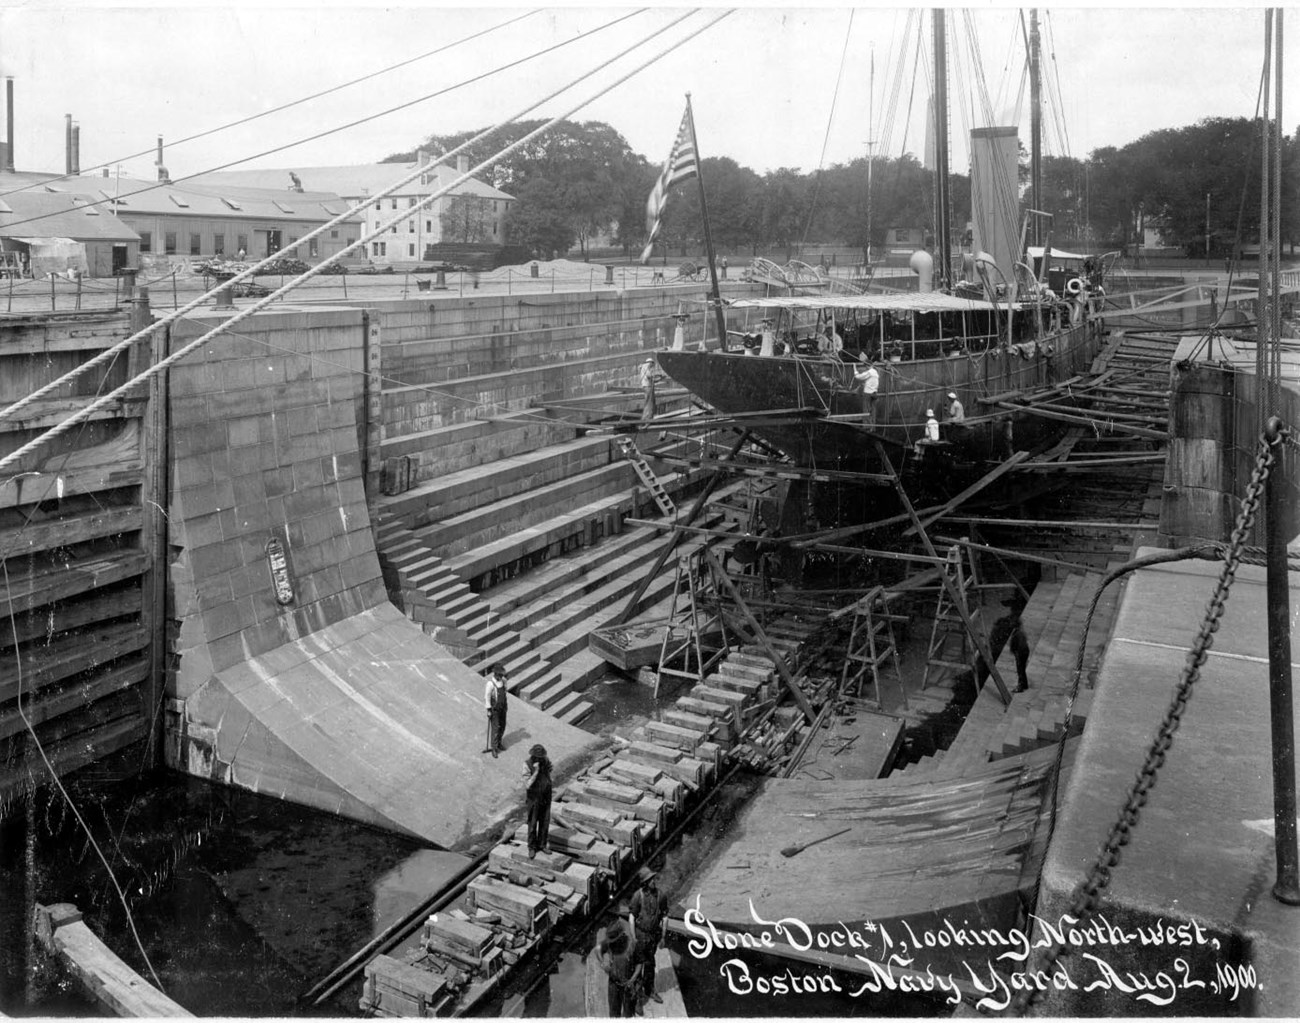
(1036, 252)
(916, 302)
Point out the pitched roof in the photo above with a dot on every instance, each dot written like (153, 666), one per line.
(135, 195)
(356, 180)
(27, 214)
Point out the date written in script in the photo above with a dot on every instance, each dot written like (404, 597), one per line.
(990, 968)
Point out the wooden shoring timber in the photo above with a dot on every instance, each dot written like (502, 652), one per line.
(1007, 552)
(1090, 464)
(113, 984)
(868, 552)
(676, 537)
(1086, 420)
(984, 481)
(782, 472)
(958, 597)
(801, 540)
(1041, 523)
(1095, 413)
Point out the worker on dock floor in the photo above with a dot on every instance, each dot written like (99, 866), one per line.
(1006, 629)
(648, 915)
(614, 956)
(494, 699)
(538, 794)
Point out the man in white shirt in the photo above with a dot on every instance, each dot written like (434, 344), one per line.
(931, 432)
(870, 377)
(494, 699)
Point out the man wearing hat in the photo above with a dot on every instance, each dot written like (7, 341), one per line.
(956, 412)
(614, 956)
(647, 381)
(1006, 629)
(870, 378)
(494, 699)
(648, 916)
(538, 795)
(931, 435)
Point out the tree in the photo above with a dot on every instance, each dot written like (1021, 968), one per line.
(466, 218)
(539, 221)
(582, 166)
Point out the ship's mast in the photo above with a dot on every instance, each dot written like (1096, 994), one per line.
(1035, 124)
(943, 245)
(871, 145)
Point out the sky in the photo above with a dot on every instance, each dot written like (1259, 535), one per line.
(771, 85)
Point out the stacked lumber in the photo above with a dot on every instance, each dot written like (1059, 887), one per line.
(602, 824)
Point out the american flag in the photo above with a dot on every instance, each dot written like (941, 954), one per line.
(680, 165)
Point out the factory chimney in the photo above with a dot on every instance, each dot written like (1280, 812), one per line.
(76, 148)
(9, 148)
(163, 176)
(67, 143)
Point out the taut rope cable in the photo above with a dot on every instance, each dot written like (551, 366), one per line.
(334, 130)
(88, 410)
(274, 110)
(251, 271)
(830, 119)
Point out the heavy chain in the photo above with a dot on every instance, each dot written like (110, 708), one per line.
(1087, 897)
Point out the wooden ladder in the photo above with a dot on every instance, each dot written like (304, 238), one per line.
(648, 477)
(948, 619)
(871, 644)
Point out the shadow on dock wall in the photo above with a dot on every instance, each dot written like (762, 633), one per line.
(1213, 437)
(292, 675)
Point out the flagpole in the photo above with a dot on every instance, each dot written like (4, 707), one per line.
(708, 234)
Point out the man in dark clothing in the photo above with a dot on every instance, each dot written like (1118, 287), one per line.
(614, 955)
(538, 795)
(647, 914)
(1006, 629)
(494, 699)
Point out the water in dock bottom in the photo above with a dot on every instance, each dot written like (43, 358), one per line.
(241, 901)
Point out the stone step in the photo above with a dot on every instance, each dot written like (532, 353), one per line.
(577, 711)
(464, 532)
(533, 540)
(452, 494)
(538, 583)
(547, 696)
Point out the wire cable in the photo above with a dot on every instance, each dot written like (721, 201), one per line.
(275, 110)
(338, 128)
(251, 271)
(85, 412)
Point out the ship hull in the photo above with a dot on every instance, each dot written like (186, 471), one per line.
(817, 415)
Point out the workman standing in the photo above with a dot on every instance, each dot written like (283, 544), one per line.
(538, 797)
(956, 411)
(647, 381)
(648, 915)
(1006, 629)
(494, 699)
(870, 377)
(614, 957)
